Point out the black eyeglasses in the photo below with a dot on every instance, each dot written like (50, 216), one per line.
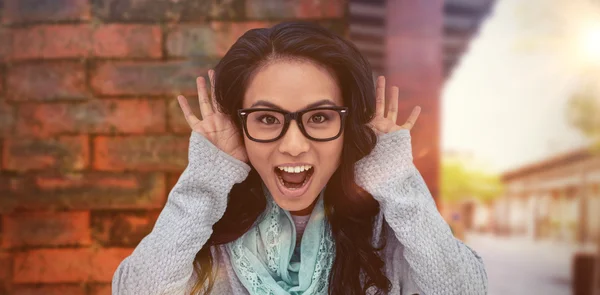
(318, 124)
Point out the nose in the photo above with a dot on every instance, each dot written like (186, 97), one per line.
(293, 141)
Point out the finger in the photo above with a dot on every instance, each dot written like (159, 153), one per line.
(187, 111)
(380, 96)
(213, 98)
(412, 119)
(392, 104)
(205, 107)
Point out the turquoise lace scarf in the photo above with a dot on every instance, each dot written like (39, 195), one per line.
(267, 261)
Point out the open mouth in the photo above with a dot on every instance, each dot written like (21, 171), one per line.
(294, 181)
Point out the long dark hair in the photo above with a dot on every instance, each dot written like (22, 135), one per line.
(351, 211)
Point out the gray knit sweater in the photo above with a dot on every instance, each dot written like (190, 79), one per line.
(421, 255)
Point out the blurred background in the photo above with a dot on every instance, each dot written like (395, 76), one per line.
(92, 139)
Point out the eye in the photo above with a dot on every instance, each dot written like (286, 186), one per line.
(318, 118)
(269, 120)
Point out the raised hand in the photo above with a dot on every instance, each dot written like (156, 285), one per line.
(382, 123)
(215, 126)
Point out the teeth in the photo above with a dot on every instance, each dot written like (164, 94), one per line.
(289, 188)
(295, 169)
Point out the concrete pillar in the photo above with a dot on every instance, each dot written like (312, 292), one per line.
(414, 64)
(532, 215)
(584, 194)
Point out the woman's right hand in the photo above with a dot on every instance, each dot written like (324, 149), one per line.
(215, 126)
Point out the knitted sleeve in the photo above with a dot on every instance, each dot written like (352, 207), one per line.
(438, 262)
(162, 261)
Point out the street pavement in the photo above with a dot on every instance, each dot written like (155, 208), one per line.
(520, 266)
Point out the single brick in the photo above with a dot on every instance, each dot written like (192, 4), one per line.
(66, 152)
(147, 153)
(52, 41)
(123, 41)
(82, 191)
(152, 78)
(160, 10)
(46, 228)
(123, 229)
(7, 118)
(27, 11)
(96, 116)
(69, 41)
(67, 265)
(299, 9)
(47, 81)
(212, 39)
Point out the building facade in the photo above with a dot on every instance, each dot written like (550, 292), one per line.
(556, 199)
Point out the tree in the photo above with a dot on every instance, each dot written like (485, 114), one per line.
(459, 183)
(583, 112)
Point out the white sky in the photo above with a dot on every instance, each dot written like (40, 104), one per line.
(505, 102)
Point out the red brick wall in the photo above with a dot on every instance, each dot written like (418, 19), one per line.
(91, 136)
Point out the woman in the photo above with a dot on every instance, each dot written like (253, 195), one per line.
(299, 182)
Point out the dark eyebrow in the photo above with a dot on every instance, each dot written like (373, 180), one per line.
(319, 103)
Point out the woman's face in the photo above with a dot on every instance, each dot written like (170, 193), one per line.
(293, 86)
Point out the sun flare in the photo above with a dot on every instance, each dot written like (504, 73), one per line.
(590, 43)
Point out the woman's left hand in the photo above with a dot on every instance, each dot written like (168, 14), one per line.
(382, 124)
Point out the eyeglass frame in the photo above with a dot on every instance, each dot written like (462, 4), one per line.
(288, 117)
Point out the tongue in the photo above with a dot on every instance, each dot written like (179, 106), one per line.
(294, 177)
